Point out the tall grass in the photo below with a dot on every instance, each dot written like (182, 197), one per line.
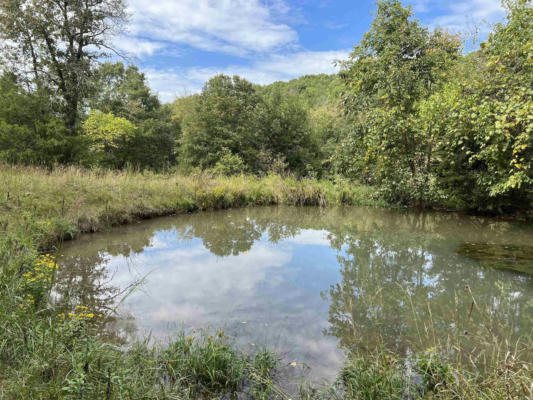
(479, 357)
(48, 204)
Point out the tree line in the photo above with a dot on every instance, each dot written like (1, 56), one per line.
(409, 112)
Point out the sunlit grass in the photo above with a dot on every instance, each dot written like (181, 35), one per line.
(68, 200)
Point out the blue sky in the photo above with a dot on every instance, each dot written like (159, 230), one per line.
(179, 44)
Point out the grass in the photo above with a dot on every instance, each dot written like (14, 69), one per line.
(48, 353)
(53, 353)
(61, 203)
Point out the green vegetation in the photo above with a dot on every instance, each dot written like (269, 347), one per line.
(409, 116)
(51, 351)
(435, 127)
(409, 113)
(66, 201)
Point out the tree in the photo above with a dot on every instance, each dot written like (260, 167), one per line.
(30, 132)
(55, 43)
(124, 93)
(398, 64)
(106, 133)
(482, 120)
(222, 121)
(232, 127)
(284, 135)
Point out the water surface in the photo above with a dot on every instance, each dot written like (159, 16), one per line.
(308, 282)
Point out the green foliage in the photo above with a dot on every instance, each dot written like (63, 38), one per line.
(432, 127)
(30, 133)
(376, 377)
(230, 119)
(56, 45)
(398, 64)
(407, 114)
(229, 164)
(106, 133)
(284, 135)
(435, 371)
(314, 91)
(210, 363)
(124, 93)
(481, 122)
(222, 121)
(319, 96)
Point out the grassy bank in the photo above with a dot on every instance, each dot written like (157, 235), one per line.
(49, 205)
(47, 352)
(56, 353)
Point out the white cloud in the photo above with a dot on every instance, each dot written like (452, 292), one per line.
(462, 15)
(236, 27)
(305, 62)
(174, 82)
(193, 286)
(137, 47)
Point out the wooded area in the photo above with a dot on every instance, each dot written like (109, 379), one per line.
(409, 112)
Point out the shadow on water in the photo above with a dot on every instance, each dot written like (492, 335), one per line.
(309, 282)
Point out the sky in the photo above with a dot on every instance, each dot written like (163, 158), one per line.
(180, 44)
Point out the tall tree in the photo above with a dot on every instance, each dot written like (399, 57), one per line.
(30, 132)
(56, 43)
(123, 93)
(222, 122)
(398, 63)
(482, 120)
(284, 135)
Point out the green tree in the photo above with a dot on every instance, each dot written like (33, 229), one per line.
(233, 124)
(222, 120)
(482, 120)
(124, 93)
(30, 132)
(284, 135)
(107, 133)
(397, 64)
(58, 42)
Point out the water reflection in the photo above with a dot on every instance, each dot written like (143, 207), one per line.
(304, 280)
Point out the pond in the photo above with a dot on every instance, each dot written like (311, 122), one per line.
(310, 283)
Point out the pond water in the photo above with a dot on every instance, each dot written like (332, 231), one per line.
(309, 283)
